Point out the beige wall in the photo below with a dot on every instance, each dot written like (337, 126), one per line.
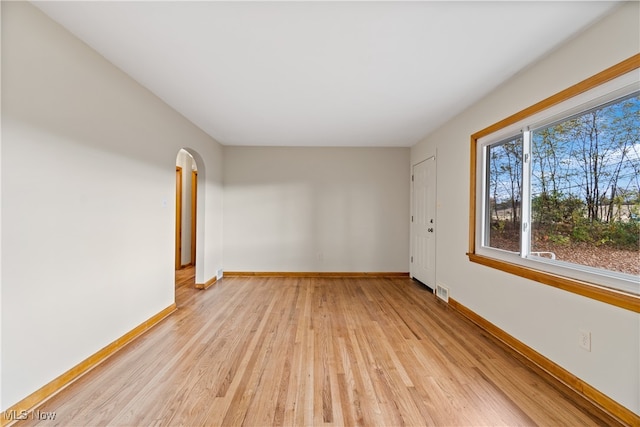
(88, 201)
(544, 318)
(316, 209)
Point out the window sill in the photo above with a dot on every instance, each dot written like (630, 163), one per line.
(610, 296)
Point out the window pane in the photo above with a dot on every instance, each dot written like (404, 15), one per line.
(503, 198)
(585, 188)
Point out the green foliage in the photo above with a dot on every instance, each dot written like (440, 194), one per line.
(559, 239)
(553, 207)
(562, 220)
(498, 225)
(581, 233)
(618, 234)
(623, 235)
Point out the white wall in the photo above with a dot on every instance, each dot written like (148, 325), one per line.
(544, 318)
(316, 209)
(88, 201)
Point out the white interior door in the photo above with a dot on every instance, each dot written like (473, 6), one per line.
(423, 223)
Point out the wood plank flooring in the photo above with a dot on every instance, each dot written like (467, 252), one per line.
(297, 351)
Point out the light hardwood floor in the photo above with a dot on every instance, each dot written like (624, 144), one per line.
(297, 351)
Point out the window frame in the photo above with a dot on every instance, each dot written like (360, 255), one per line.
(578, 279)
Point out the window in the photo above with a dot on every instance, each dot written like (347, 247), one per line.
(503, 195)
(556, 189)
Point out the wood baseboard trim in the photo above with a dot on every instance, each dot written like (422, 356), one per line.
(207, 284)
(312, 274)
(67, 378)
(547, 366)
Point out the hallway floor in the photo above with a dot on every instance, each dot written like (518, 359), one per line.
(298, 351)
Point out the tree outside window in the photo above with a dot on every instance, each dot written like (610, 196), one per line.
(583, 203)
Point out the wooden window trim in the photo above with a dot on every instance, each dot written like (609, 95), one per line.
(610, 296)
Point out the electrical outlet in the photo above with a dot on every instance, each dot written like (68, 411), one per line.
(584, 339)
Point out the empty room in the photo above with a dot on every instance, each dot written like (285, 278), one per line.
(320, 213)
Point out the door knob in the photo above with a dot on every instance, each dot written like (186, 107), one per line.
(430, 230)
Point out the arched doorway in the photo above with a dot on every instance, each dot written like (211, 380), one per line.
(186, 225)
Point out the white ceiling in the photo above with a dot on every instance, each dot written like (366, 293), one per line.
(322, 73)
